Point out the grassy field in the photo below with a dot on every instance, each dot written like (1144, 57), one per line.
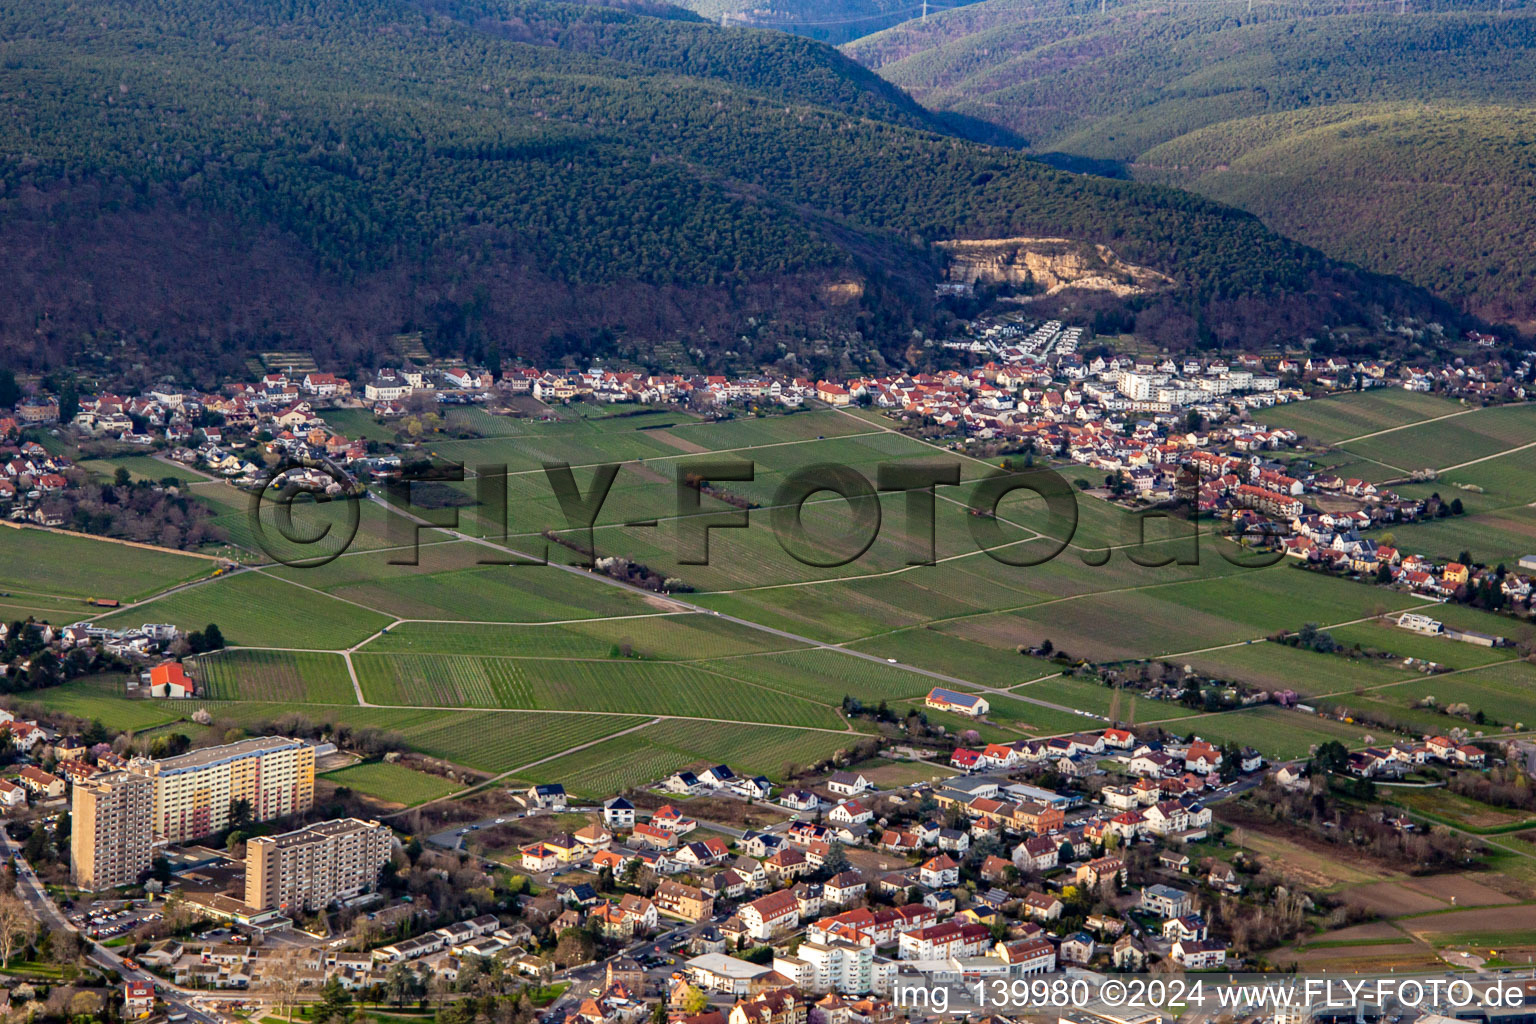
(256, 610)
(101, 698)
(302, 677)
(1382, 636)
(1183, 617)
(1098, 699)
(929, 648)
(1279, 667)
(141, 467)
(392, 783)
(1277, 733)
(1364, 412)
(310, 529)
(1493, 538)
(1460, 811)
(54, 568)
(1505, 693)
(583, 659)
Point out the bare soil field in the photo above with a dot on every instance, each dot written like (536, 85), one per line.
(680, 443)
(1480, 921)
(1369, 959)
(874, 863)
(1459, 890)
(1394, 899)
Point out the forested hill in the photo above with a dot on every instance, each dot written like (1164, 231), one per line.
(183, 181)
(831, 21)
(1166, 92)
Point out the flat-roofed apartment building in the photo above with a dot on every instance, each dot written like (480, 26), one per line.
(110, 838)
(310, 868)
(195, 791)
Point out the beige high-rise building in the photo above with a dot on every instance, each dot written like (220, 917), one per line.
(310, 868)
(195, 791)
(109, 843)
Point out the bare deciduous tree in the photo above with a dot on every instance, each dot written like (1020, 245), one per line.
(16, 926)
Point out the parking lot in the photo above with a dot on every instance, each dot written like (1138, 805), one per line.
(112, 920)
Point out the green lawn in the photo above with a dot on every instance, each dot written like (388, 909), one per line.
(101, 698)
(392, 783)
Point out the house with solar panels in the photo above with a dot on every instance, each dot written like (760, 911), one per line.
(963, 703)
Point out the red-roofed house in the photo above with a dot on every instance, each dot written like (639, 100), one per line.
(170, 680)
(138, 999)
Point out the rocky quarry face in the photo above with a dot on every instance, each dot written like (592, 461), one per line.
(1048, 265)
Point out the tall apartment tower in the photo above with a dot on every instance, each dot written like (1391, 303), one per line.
(310, 868)
(109, 843)
(194, 792)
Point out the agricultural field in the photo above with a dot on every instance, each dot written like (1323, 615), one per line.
(497, 667)
(102, 699)
(1384, 636)
(1277, 733)
(665, 636)
(928, 647)
(1505, 694)
(1093, 698)
(1499, 537)
(1461, 811)
(490, 593)
(253, 609)
(1275, 666)
(392, 783)
(48, 568)
(1450, 442)
(487, 741)
(304, 677)
(1338, 417)
(661, 749)
(303, 529)
(1182, 618)
(142, 468)
(1038, 720)
(614, 686)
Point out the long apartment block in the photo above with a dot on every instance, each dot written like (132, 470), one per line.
(194, 792)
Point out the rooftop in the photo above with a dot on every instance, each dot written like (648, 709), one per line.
(227, 752)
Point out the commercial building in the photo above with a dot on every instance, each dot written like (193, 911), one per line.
(109, 842)
(194, 792)
(311, 868)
